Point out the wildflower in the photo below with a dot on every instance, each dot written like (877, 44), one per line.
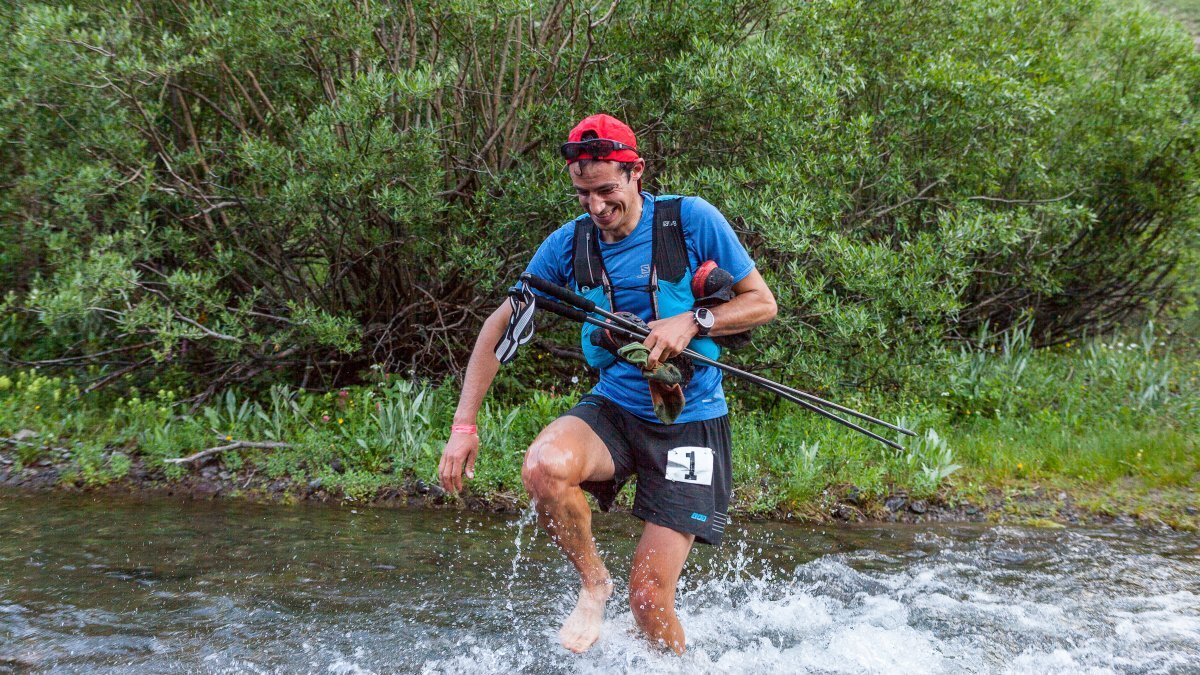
(324, 418)
(229, 438)
(1020, 466)
(37, 407)
(343, 393)
(340, 420)
(574, 379)
(945, 393)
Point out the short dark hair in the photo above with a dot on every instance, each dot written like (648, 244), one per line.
(625, 167)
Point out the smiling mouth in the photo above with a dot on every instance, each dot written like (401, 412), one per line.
(606, 213)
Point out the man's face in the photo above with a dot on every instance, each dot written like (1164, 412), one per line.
(608, 196)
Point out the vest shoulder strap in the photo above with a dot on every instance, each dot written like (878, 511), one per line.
(670, 249)
(587, 263)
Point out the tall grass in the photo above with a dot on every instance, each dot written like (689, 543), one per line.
(1101, 411)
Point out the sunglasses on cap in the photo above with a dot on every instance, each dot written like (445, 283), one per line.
(596, 148)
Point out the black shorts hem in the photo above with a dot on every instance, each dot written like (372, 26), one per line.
(590, 409)
(705, 534)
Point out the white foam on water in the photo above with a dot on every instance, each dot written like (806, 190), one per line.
(951, 611)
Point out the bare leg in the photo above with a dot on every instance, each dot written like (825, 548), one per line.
(656, 567)
(565, 454)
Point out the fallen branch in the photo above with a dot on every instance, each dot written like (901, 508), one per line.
(229, 446)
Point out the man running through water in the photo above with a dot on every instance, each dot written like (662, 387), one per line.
(683, 469)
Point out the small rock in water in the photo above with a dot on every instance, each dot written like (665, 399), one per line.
(919, 506)
(895, 503)
(437, 491)
(207, 490)
(843, 512)
(422, 487)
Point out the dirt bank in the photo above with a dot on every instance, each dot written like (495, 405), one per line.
(1028, 503)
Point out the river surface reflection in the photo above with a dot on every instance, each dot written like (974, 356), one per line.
(93, 584)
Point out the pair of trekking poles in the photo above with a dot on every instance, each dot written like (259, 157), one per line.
(579, 309)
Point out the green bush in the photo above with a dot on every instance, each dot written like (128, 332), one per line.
(259, 190)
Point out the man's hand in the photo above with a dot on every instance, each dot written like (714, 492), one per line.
(669, 337)
(459, 454)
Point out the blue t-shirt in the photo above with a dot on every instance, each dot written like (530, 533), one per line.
(708, 237)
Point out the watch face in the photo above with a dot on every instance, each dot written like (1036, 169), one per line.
(705, 318)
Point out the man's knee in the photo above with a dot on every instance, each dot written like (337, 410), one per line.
(549, 470)
(649, 598)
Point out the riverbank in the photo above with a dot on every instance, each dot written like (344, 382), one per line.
(1034, 503)
(1075, 433)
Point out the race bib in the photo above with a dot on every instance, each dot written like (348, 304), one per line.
(690, 465)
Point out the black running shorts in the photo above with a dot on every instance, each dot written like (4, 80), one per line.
(684, 475)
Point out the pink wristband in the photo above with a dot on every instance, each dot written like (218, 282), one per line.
(462, 429)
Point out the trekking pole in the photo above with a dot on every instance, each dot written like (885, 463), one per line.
(586, 305)
(581, 316)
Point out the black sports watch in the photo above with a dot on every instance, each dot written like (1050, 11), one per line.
(704, 320)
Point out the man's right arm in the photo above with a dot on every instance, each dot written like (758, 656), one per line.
(462, 449)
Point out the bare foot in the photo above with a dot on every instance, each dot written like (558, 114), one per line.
(581, 630)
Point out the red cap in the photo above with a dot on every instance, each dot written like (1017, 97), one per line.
(606, 126)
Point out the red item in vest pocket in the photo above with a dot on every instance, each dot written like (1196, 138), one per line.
(711, 285)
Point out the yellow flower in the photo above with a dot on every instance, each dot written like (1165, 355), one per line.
(340, 420)
(37, 407)
(229, 438)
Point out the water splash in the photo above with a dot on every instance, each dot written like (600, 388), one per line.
(527, 518)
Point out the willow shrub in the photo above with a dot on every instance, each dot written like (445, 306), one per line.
(296, 190)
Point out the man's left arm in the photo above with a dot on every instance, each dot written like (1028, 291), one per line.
(753, 303)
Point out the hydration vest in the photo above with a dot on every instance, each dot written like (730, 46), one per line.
(670, 285)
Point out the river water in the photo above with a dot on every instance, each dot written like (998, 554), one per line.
(101, 585)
